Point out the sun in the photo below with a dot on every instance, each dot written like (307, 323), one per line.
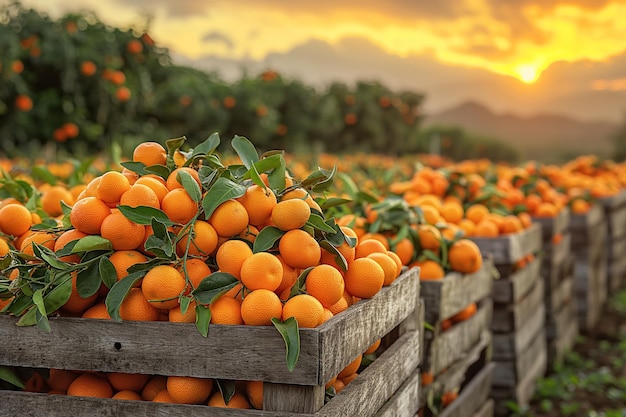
(528, 73)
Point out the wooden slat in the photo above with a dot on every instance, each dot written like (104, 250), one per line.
(404, 402)
(558, 347)
(446, 297)
(563, 294)
(509, 249)
(473, 396)
(617, 222)
(293, 398)
(558, 321)
(509, 373)
(511, 288)
(508, 346)
(551, 226)
(583, 223)
(511, 317)
(486, 410)
(613, 202)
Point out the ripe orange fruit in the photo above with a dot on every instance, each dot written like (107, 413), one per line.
(290, 214)
(250, 233)
(40, 237)
(306, 309)
(162, 286)
(262, 270)
(511, 224)
(111, 187)
(155, 384)
(389, 266)
(226, 310)
(162, 397)
(90, 385)
(546, 209)
(452, 212)
(52, 197)
(179, 206)
(431, 214)
(123, 94)
(259, 203)
(364, 278)
(197, 270)
(464, 314)
(259, 307)
(131, 382)
(126, 395)
(203, 242)
(487, 228)
(88, 214)
(4, 248)
(136, 307)
(61, 379)
(229, 218)
(351, 368)
(349, 378)
(88, 68)
(231, 255)
(175, 315)
(325, 283)
(122, 232)
(429, 269)
(97, 311)
(290, 275)
(150, 153)
(238, 400)
(67, 237)
(124, 259)
(429, 237)
(23, 103)
(405, 250)
(254, 390)
(373, 347)
(299, 249)
(367, 246)
(76, 304)
(140, 195)
(15, 219)
(156, 184)
(189, 390)
(464, 256)
(173, 183)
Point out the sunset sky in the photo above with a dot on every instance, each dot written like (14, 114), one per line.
(510, 38)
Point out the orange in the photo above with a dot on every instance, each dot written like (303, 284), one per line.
(41, 238)
(349, 378)
(351, 368)
(179, 206)
(464, 314)
(526, 219)
(124, 259)
(189, 390)
(301, 194)
(15, 219)
(52, 197)
(397, 259)
(162, 286)
(467, 226)
(126, 395)
(546, 210)
(175, 315)
(67, 237)
(140, 195)
(306, 309)
(430, 270)
(231, 255)
(452, 212)
(111, 187)
(61, 379)
(373, 347)
(338, 386)
(150, 153)
(35, 383)
(511, 224)
(254, 390)
(250, 233)
(364, 278)
(136, 307)
(487, 228)
(226, 310)
(376, 236)
(290, 275)
(155, 384)
(131, 382)
(580, 206)
(427, 378)
(262, 270)
(122, 232)
(367, 246)
(203, 241)
(97, 311)
(173, 183)
(429, 237)
(197, 270)
(156, 184)
(90, 385)
(476, 213)
(405, 250)
(162, 397)
(431, 214)
(388, 265)
(229, 218)
(339, 306)
(4, 248)
(238, 400)
(76, 304)
(259, 307)
(290, 214)
(88, 214)
(464, 256)
(259, 203)
(325, 283)
(130, 175)
(299, 249)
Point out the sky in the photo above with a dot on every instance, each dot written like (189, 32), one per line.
(522, 56)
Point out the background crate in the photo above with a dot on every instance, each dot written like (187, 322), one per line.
(509, 249)
(615, 213)
(233, 352)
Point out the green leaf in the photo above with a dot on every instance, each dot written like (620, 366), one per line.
(190, 185)
(339, 258)
(53, 300)
(266, 239)
(245, 150)
(46, 224)
(92, 243)
(203, 318)
(334, 202)
(214, 286)
(42, 316)
(136, 167)
(107, 272)
(272, 163)
(7, 374)
(118, 293)
(184, 304)
(299, 286)
(143, 214)
(349, 185)
(48, 256)
(288, 329)
(318, 223)
(172, 145)
(161, 243)
(160, 170)
(88, 281)
(207, 147)
(276, 178)
(222, 190)
(227, 389)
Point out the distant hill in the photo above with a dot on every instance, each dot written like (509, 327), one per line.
(545, 137)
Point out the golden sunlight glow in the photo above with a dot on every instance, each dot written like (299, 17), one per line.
(527, 73)
(610, 85)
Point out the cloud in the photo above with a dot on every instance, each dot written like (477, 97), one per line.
(217, 37)
(173, 9)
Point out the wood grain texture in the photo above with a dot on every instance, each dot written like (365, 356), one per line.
(509, 249)
(404, 402)
(444, 298)
(616, 218)
(590, 282)
(293, 398)
(557, 320)
(510, 289)
(551, 226)
(557, 348)
(560, 295)
(508, 345)
(486, 410)
(583, 223)
(511, 317)
(473, 395)
(448, 347)
(613, 202)
(509, 373)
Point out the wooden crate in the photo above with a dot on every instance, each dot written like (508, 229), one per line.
(615, 212)
(230, 352)
(561, 333)
(551, 226)
(616, 263)
(588, 229)
(507, 346)
(509, 318)
(513, 284)
(509, 249)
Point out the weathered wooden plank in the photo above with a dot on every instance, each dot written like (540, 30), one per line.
(507, 346)
(560, 295)
(616, 217)
(555, 254)
(511, 317)
(617, 273)
(486, 410)
(551, 226)
(444, 298)
(509, 373)
(558, 321)
(510, 289)
(509, 249)
(404, 402)
(448, 347)
(613, 202)
(473, 396)
(557, 348)
(293, 398)
(583, 223)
